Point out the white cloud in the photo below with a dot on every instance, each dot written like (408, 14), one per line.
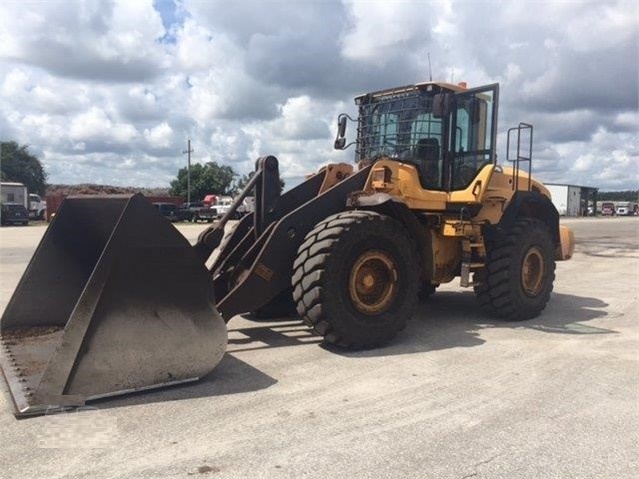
(104, 93)
(380, 29)
(96, 125)
(88, 39)
(160, 136)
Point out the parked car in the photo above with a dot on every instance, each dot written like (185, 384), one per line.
(168, 210)
(14, 214)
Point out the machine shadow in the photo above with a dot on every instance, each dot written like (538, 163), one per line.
(266, 335)
(451, 319)
(231, 376)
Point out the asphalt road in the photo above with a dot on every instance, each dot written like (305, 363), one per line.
(456, 395)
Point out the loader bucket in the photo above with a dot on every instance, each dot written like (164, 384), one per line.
(114, 300)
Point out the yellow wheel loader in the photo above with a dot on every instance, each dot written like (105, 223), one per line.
(130, 304)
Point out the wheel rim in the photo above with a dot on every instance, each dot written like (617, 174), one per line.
(372, 282)
(532, 271)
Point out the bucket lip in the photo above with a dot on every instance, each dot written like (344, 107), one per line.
(18, 395)
(20, 371)
(24, 408)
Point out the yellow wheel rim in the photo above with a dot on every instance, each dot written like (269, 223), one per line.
(372, 282)
(532, 271)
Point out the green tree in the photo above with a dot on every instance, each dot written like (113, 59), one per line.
(208, 178)
(628, 195)
(17, 164)
(244, 179)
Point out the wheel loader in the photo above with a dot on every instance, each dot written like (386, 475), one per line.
(130, 304)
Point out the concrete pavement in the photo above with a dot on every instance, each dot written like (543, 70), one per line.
(456, 395)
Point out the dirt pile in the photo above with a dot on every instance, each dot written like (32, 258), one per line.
(90, 189)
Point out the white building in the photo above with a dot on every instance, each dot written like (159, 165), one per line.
(572, 200)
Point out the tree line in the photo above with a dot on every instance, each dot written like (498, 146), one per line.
(627, 195)
(211, 179)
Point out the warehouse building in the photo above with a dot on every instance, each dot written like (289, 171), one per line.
(573, 200)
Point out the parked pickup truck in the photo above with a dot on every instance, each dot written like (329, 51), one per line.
(224, 205)
(37, 207)
(196, 212)
(168, 210)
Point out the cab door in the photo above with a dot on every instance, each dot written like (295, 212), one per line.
(473, 134)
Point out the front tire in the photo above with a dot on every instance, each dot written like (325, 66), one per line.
(356, 279)
(516, 282)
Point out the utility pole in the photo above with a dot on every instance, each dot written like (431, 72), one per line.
(188, 151)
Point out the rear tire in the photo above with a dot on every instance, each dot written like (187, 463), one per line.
(517, 280)
(356, 279)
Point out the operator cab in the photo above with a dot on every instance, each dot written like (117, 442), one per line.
(447, 131)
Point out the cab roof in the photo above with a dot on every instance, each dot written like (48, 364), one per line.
(424, 86)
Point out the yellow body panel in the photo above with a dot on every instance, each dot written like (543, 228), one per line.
(567, 244)
(404, 183)
(446, 257)
(492, 187)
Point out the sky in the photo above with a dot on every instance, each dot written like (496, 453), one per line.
(109, 92)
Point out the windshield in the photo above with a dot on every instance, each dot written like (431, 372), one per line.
(448, 152)
(403, 128)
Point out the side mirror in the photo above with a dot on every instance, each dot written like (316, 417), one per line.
(340, 141)
(441, 105)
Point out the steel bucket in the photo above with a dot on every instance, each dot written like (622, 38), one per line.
(114, 300)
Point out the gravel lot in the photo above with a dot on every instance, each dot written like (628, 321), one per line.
(456, 395)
